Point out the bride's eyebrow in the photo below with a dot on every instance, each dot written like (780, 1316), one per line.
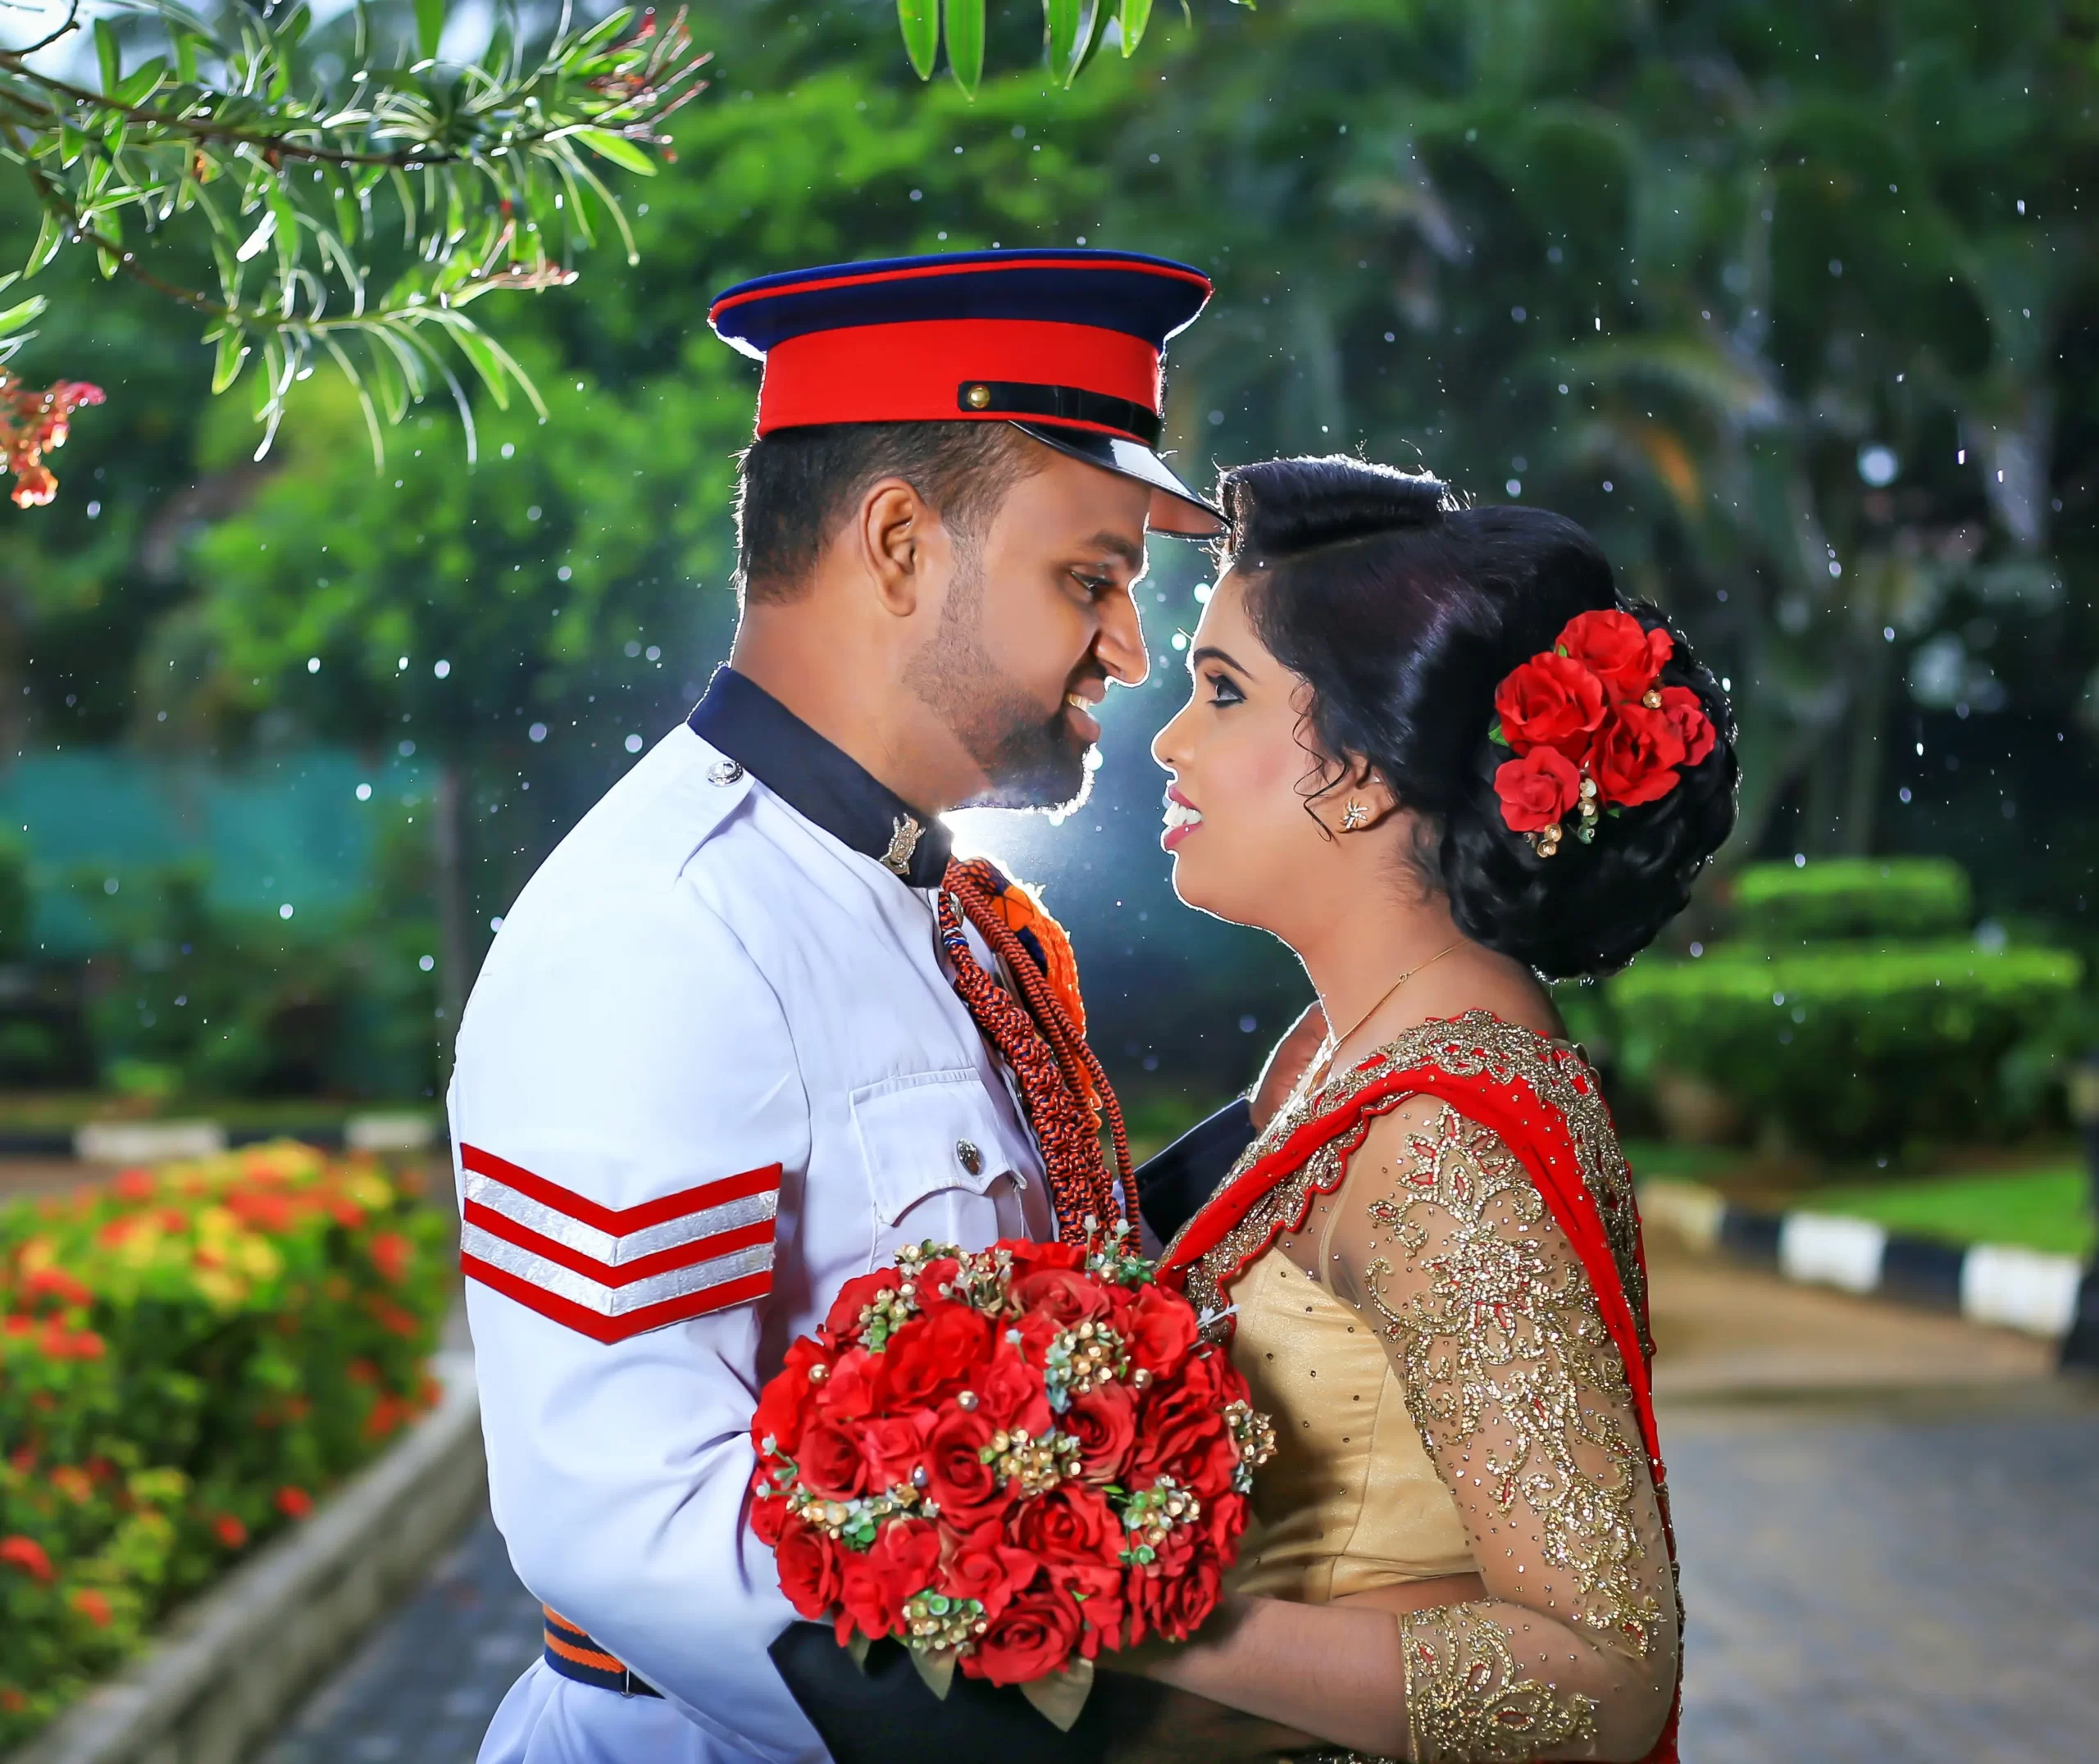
(1210, 653)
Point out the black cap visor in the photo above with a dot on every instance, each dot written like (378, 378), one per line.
(1175, 508)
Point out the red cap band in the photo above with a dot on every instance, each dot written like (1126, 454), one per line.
(914, 372)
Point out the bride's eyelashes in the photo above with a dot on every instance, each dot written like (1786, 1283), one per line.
(1223, 689)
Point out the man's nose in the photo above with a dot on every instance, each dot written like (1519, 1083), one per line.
(1120, 646)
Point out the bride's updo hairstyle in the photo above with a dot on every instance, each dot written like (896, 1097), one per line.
(1404, 612)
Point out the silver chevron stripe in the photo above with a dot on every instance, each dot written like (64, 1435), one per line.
(611, 1301)
(602, 1246)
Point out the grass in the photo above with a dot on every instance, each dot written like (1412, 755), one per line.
(2046, 1209)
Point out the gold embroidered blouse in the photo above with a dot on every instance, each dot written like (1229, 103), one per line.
(1447, 1290)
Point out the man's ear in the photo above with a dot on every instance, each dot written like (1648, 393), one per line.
(899, 536)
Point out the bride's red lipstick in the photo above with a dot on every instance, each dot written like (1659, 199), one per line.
(1183, 818)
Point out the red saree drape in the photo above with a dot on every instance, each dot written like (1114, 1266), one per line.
(1499, 1096)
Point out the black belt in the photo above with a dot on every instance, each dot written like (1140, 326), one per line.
(568, 1651)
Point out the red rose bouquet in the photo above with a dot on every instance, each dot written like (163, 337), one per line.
(1008, 1461)
(1593, 729)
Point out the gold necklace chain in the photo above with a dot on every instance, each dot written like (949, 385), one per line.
(1322, 1060)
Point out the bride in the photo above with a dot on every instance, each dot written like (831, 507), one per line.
(1437, 753)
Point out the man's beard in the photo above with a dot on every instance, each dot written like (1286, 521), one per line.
(1028, 762)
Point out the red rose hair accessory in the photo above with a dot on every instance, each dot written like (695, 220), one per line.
(1010, 1460)
(1593, 729)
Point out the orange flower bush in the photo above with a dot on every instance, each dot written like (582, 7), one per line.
(188, 1356)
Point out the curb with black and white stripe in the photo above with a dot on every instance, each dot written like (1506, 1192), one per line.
(1997, 1284)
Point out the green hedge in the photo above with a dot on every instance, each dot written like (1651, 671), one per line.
(1882, 897)
(189, 1357)
(1849, 1046)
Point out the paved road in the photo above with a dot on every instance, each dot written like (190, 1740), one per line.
(1889, 1529)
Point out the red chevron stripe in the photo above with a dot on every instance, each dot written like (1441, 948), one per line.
(617, 1221)
(608, 1329)
(621, 1273)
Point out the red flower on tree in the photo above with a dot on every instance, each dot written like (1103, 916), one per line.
(32, 423)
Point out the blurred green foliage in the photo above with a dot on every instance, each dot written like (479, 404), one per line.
(1852, 897)
(1793, 305)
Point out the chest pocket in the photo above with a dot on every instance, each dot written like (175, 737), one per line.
(930, 1134)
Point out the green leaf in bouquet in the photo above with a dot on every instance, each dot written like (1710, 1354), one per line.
(856, 1651)
(937, 1668)
(1060, 1698)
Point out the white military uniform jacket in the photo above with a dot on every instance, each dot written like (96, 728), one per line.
(712, 1068)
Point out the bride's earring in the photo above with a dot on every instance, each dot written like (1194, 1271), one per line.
(1355, 815)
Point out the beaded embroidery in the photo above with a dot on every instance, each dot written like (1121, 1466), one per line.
(1466, 1700)
(1475, 1044)
(1503, 1343)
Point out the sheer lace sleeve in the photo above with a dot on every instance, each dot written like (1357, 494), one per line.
(1440, 1238)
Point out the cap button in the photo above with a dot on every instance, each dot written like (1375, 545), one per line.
(977, 397)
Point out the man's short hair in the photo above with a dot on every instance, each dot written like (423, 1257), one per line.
(795, 486)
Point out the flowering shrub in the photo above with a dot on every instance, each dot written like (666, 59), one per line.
(33, 421)
(187, 1357)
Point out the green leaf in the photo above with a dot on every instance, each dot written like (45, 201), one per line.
(922, 34)
(487, 361)
(16, 316)
(965, 28)
(617, 148)
(429, 26)
(109, 55)
(1096, 28)
(1060, 31)
(1136, 14)
(50, 236)
(232, 355)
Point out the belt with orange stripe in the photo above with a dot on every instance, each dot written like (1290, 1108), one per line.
(571, 1652)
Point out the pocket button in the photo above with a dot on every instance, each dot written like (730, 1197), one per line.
(967, 1154)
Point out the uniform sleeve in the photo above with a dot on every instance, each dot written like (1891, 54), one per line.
(627, 1114)
(1441, 1239)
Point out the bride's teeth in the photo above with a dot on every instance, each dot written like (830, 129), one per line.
(1180, 815)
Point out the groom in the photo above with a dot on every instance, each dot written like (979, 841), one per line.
(747, 1031)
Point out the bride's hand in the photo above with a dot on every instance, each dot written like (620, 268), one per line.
(1295, 1052)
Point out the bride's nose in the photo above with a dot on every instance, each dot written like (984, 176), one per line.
(1169, 746)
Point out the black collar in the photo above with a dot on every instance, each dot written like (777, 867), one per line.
(820, 782)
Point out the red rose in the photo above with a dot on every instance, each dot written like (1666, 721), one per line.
(1175, 1596)
(1104, 1423)
(1027, 1255)
(1071, 1523)
(768, 1517)
(1161, 1331)
(1618, 649)
(906, 1557)
(832, 1463)
(894, 1445)
(787, 1398)
(1033, 1637)
(932, 1356)
(1069, 1296)
(1537, 790)
(957, 1476)
(810, 1569)
(1009, 1393)
(986, 1567)
(1180, 1425)
(864, 1603)
(1036, 1330)
(849, 1392)
(1694, 728)
(1224, 1523)
(1098, 1591)
(843, 1321)
(1636, 755)
(1552, 701)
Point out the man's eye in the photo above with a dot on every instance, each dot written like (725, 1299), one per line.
(1094, 585)
(1222, 691)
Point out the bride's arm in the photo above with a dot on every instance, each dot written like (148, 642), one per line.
(1438, 1237)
